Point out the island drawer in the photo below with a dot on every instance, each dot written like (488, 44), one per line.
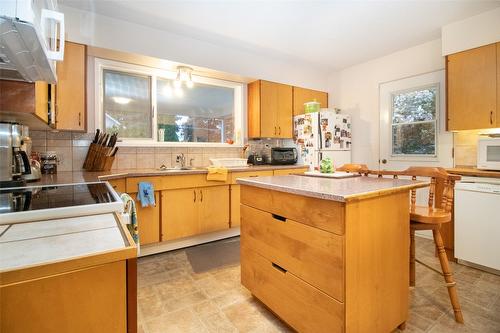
(323, 214)
(312, 254)
(301, 305)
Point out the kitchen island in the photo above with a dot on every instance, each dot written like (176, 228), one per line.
(328, 255)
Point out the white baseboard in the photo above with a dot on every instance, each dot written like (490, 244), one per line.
(176, 244)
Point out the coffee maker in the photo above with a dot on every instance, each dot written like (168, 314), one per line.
(14, 162)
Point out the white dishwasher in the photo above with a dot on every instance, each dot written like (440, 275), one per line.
(477, 222)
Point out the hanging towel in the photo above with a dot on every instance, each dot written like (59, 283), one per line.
(217, 173)
(146, 194)
(132, 212)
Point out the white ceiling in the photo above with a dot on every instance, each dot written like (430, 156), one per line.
(328, 34)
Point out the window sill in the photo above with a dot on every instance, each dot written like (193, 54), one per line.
(138, 143)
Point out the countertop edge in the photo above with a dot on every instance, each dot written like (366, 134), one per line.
(331, 197)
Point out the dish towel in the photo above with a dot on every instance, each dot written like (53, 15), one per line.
(132, 216)
(146, 194)
(217, 173)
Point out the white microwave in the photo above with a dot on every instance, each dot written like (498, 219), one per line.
(488, 154)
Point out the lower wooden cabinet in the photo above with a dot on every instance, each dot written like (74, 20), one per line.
(235, 205)
(192, 211)
(87, 300)
(149, 221)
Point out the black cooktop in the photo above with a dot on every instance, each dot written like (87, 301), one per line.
(43, 197)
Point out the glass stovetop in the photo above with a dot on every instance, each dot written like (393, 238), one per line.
(44, 197)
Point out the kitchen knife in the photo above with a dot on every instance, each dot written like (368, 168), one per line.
(96, 137)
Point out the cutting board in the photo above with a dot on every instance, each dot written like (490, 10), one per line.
(337, 175)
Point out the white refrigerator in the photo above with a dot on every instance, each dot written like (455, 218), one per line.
(323, 134)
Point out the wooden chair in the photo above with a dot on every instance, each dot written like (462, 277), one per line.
(354, 168)
(431, 217)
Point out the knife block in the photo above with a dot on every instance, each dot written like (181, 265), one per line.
(98, 158)
(91, 155)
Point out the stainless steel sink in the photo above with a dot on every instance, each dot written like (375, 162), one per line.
(165, 168)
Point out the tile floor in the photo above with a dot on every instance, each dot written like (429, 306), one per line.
(172, 298)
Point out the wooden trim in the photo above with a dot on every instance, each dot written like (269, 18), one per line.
(132, 295)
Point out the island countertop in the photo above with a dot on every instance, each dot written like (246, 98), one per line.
(342, 190)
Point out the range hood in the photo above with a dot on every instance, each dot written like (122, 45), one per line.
(31, 41)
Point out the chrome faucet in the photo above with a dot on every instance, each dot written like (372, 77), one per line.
(181, 159)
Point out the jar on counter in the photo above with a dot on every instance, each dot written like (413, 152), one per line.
(49, 161)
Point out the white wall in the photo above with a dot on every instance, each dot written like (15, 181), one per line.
(102, 31)
(355, 90)
(475, 31)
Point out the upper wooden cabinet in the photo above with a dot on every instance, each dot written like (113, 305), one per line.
(269, 110)
(70, 105)
(472, 88)
(303, 95)
(24, 98)
(498, 85)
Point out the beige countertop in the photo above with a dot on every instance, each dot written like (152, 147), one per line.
(87, 176)
(26, 247)
(474, 172)
(342, 190)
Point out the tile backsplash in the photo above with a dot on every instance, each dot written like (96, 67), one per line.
(71, 149)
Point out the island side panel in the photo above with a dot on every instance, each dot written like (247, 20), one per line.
(377, 263)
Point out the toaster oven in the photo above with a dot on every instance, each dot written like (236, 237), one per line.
(488, 153)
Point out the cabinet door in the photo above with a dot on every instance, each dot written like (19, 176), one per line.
(269, 95)
(149, 221)
(213, 208)
(70, 89)
(42, 101)
(179, 213)
(284, 113)
(235, 205)
(302, 95)
(472, 88)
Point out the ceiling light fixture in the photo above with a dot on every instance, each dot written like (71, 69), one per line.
(184, 74)
(121, 100)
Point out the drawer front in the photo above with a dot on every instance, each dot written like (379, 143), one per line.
(246, 174)
(172, 182)
(118, 185)
(314, 255)
(284, 172)
(323, 214)
(302, 306)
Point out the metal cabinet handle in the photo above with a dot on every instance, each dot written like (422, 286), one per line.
(201, 196)
(384, 161)
(279, 218)
(274, 130)
(194, 198)
(491, 117)
(79, 119)
(279, 130)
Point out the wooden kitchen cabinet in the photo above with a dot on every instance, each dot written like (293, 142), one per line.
(269, 110)
(23, 98)
(303, 95)
(472, 88)
(70, 96)
(193, 211)
(149, 221)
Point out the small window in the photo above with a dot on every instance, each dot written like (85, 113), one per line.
(127, 104)
(203, 113)
(414, 122)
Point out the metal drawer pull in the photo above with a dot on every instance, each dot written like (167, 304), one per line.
(280, 218)
(279, 268)
(194, 198)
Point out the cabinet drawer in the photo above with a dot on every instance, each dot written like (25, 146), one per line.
(323, 214)
(314, 255)
(246, 174)
(284, 172)
(118, 184)
(172, 182)
(302, 306)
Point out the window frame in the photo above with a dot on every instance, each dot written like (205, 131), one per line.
(155, 74)
(413, 157)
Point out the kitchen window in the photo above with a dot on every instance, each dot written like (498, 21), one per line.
(147, 106)
(414, 121)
